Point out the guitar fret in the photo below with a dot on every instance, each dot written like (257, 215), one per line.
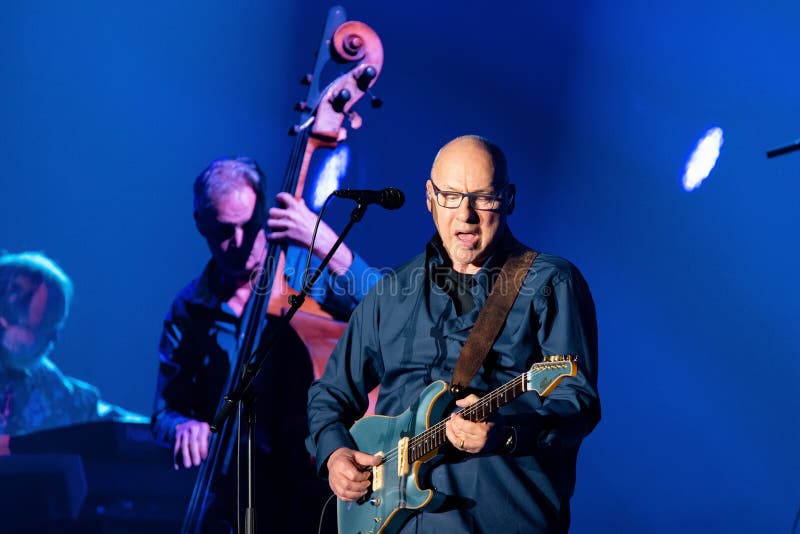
(427, 441)
(434, 437)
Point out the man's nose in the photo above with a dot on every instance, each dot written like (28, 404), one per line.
(466, 212)
(238, 237)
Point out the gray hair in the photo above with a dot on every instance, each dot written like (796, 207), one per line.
(226, 174)
(42, 270)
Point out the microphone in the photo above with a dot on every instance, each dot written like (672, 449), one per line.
(389, 198)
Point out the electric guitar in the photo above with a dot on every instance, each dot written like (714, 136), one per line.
(410, 440)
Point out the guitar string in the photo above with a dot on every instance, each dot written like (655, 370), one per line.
(437, 430)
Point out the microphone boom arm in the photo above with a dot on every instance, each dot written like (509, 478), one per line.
(784, 149)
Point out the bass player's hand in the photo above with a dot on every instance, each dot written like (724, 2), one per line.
(191, 443)
(293, 222)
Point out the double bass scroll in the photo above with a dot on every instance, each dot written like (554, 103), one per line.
(322, 120)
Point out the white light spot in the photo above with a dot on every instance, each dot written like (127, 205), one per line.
(332, 171)
(703, 159)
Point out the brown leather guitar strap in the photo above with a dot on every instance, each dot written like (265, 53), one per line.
(491, 318)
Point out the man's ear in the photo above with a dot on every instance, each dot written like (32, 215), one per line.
(512, 198)
(198, 224)
(428, 198)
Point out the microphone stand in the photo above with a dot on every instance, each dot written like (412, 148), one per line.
(242, 392)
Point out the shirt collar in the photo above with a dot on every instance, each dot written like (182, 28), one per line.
(437, 258)
(203, 287)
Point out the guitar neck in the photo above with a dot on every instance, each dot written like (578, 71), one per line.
(428, 441)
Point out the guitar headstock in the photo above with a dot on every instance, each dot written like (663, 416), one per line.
(544, 376)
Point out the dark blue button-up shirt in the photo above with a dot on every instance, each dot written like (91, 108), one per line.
(406, 333)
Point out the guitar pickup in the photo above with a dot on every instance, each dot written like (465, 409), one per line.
(402, 457)
(377, 475)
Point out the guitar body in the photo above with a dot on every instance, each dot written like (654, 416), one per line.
(386, 508)
(411, 440)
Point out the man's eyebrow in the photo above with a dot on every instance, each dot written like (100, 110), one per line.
(491, 192)
(220, 227)
(483, 191)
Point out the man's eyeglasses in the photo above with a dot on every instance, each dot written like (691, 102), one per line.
(478, 201)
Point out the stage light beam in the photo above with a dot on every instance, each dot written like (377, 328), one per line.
(330, 175)
(702, 159)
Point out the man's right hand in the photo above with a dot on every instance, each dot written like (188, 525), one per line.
(348, 472)
(191, 443)
(294, 223)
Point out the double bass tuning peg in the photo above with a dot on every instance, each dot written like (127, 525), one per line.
(355, 120)
(366, 77)
(364, 80)
(340, 100)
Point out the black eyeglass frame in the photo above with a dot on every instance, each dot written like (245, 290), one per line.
(496, 197)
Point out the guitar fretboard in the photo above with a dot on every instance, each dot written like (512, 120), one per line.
(431, 439)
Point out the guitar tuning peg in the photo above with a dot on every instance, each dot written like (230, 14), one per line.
(301, 106)
(307, 79)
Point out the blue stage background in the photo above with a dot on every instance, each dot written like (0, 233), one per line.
(109, 110)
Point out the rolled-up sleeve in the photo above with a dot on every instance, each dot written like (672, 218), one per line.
(343, 292)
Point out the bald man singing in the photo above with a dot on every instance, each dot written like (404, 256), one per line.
(515, 471)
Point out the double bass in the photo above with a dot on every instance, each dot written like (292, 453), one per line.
(321, 125)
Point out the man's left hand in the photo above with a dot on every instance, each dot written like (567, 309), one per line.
(474, 437)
